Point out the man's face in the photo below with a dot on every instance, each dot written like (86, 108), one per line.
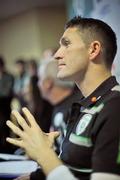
(72, 56)
(20, 69)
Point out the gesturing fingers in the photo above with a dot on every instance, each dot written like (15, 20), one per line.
(16, 142)
(21, 121)
(15, 129)
(30, 118)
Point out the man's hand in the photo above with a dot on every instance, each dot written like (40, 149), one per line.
(31, 137)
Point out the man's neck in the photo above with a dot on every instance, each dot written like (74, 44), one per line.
(92, 81)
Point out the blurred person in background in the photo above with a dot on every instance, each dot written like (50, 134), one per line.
(6, 95)
(32, 93)
(35, 102)
(21, 82)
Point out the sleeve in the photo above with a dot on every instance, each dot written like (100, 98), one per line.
(61, 172)
(104, 176)
(107, 139)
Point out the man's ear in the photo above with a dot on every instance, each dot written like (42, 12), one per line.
(94, 49)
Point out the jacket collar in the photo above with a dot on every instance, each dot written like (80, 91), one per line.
(106, 86)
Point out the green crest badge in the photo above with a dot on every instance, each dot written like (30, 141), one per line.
(83, 123)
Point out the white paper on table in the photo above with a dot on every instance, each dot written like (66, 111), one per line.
(12, 157)
(17, 168)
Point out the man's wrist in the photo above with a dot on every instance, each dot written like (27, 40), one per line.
(49, 161)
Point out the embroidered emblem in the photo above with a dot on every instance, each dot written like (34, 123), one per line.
(80, 140)
(82, 125)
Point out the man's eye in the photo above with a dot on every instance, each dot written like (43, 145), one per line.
(66, 43)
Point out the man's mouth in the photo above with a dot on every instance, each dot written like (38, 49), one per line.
(61, 65)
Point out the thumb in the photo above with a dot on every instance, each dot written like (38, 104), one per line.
(54, 134)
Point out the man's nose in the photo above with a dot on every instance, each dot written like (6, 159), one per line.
(58, 55)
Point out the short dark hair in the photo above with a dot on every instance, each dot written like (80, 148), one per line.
(20, 61)
(97, 29)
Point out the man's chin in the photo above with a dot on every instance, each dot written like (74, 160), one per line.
(63, 77)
